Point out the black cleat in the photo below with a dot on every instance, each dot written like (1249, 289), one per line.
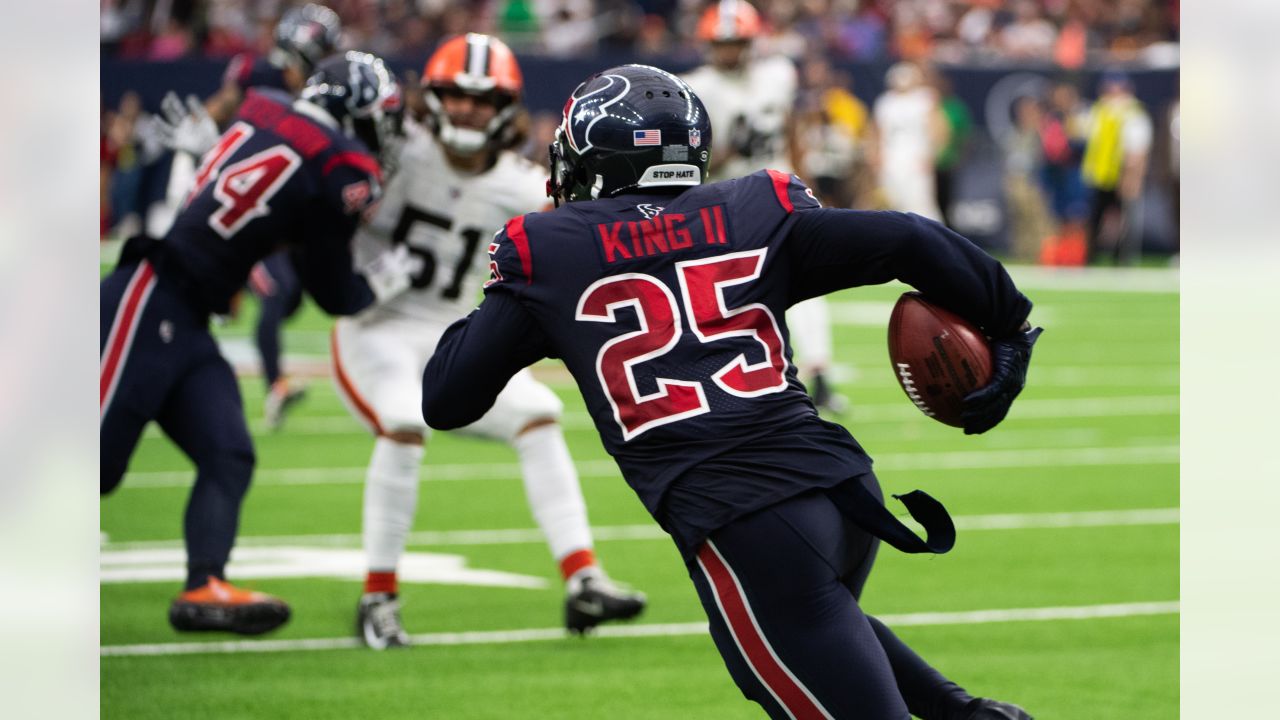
(597, 600)
(221, 606)
(824, 398)
(279, 401)
(378, 621)
(988, 709)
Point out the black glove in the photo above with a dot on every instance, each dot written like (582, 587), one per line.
(985, 407)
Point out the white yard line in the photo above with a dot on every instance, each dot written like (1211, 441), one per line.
(517, 536)
(1122, 406)
(495, 637)
(1120, 280)
(1031, 457)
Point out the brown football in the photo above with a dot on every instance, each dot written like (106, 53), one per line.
(938, 357)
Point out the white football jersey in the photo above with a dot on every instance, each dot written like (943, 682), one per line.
(903, 120)
(749, 111)
(447, 219)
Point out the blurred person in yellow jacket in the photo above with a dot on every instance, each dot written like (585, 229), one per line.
(1114, 166)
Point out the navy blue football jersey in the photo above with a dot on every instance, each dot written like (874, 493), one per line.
(669, 312)
(280, 176)
(248, 71)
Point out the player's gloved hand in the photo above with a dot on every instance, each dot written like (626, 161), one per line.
(186, 128)
(985, 407)
(390, 273)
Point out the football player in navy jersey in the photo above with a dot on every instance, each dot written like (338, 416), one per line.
(297, 173)
(665, 298)
(303, 37)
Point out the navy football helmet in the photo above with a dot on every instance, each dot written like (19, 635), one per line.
(357, 90)
(629, 128)
(305, 36)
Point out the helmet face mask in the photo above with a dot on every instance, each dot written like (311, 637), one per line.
(467, 138)
(630, 128)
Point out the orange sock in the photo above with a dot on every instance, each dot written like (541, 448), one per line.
(380, 582)
(575, 561)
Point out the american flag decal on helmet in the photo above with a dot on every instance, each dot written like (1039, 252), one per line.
(646, 137)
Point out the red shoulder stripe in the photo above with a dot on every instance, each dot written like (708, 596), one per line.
(515, 231)
(354, 159)
(780, 182)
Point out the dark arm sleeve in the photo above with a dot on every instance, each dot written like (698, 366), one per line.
(476, 357)
(325, 267)
(835, 249)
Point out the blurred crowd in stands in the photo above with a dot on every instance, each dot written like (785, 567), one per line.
(1069, 174)
(1066, 33)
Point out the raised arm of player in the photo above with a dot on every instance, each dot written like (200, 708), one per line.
(326, 269)
(835, 249)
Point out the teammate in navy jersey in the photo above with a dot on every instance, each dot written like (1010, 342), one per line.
(294, 173)
(665, 298)
(303, 37)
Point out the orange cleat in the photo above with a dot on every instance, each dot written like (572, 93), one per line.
(219, 605)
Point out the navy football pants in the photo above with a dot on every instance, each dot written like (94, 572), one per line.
(279, 294)
(780, 589)
(159, 362)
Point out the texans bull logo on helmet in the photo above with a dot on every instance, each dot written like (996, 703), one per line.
(581, 113)
(627, 128)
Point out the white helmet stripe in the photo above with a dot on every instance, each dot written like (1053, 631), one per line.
(728, 19)
(477, 64)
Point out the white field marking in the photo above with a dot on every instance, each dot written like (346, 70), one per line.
(1031, 457)
(1044, 457)
(1103, 376)
(498, 637)
(1119, 280)
(1042, 409)
(1120, 406)
(520, 536)
(169, 563)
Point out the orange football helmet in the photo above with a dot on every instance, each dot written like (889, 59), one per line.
(481, 66)
(729, 20)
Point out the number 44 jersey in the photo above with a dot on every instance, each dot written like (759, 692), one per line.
(282, 175)
(447, 218)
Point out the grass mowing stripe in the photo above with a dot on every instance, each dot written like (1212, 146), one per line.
(1033, 457)
(517, 536)
(969, 617)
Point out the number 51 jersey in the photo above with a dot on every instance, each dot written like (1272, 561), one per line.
(447, 219)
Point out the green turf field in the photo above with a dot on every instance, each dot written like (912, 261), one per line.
(1061, 593)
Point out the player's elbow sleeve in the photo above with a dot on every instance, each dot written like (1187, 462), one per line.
(441, 410)
(347, 300)
(438, 416)
(449, 402)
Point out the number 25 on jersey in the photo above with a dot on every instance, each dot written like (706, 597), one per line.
(702, 283)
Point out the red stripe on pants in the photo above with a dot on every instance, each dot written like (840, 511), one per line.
(123, 328)
(755, 648)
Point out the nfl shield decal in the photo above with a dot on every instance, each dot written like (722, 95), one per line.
(695, 138)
